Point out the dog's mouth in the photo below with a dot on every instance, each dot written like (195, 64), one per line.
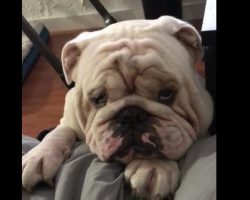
(139, 138)
(129, 150)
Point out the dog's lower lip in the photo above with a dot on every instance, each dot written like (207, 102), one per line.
(138, 148)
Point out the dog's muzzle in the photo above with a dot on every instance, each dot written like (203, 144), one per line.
(131, 123)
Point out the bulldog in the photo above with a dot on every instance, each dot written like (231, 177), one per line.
(137, 100)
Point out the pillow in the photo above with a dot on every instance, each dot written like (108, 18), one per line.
(198, 172)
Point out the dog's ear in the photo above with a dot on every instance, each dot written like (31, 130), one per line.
(185, 33)
(71, 53)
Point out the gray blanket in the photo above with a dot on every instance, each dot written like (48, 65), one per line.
(84, 177)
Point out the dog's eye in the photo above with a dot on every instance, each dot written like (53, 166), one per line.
(100, 99)
(166, 96)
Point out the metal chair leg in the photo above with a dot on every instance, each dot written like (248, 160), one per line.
(44, 50)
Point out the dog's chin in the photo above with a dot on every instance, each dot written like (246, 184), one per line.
(147, 145)
(132, 155)
(124, 149)
(150, 146)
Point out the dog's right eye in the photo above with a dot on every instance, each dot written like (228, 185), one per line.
(99, 99)
(166, 96)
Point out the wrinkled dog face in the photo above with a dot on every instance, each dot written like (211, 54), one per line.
(137, 94)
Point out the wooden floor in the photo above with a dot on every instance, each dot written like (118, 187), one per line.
(43, 92)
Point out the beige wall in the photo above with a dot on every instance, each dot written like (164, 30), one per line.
(77, 14)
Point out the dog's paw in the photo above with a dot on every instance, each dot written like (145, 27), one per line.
(42, 164)
(152, 179)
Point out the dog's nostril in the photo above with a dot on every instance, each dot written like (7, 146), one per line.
(125, 117)
(142, 117)
(132, 115)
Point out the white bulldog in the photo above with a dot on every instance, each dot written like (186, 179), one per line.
(137, 99)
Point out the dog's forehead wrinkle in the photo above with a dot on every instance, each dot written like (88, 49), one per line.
(116, 45)
(127, 82)
(130, 65)
(120, 60)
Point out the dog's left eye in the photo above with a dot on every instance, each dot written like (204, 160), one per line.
(100, 99)
(166, 96)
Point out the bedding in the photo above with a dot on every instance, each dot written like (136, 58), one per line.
(84, 177)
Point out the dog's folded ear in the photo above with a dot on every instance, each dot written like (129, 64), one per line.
(71, 53)
(185, 33)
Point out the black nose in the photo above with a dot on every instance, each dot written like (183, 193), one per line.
(133, 117)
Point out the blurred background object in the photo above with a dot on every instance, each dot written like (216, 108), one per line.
(65, 15)
(156, 8)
